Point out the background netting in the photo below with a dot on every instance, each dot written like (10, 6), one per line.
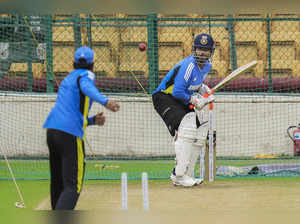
(251, 115)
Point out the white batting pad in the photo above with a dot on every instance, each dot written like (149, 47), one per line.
(195, 153)
(183, 153)
(187, 128)
(200, 142)
(184, 143)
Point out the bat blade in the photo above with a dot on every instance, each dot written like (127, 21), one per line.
(235, 74)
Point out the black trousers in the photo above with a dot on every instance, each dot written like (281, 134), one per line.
(171, 110)
(67, 166)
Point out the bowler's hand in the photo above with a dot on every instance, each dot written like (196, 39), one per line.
(112, 106)
(99, 119)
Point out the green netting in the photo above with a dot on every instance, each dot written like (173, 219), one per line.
(251, 115)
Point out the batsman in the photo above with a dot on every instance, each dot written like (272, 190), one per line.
(181, 87)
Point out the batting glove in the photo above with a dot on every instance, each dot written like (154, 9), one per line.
(199, 101)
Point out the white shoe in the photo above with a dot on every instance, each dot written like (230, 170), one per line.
(173, 179)
(198, 181)
(185, 181)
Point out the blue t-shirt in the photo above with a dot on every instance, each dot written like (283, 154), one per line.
(184, 79)
(75, 97)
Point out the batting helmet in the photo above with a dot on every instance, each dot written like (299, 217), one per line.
(203, 42)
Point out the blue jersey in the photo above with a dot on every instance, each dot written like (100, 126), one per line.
(184, 79)
(74, 100)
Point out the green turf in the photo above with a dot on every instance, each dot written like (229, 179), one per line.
(240, 163)
(33, 192)
(157, 169)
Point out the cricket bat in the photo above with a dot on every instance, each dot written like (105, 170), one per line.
(235, 74)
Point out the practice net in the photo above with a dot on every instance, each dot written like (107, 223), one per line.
(251, 114)
(251, 131)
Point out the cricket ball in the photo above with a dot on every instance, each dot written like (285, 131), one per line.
(142, 47)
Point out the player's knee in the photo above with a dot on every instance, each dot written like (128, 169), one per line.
(201, 135)
(187, 128)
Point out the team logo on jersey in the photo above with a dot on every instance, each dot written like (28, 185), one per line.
(204, 40)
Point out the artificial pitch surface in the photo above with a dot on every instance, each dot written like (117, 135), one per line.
(223, 199)
(220, 196)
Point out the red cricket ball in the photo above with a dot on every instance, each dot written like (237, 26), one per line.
(142, 47)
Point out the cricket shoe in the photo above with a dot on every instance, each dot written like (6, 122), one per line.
(185, 181)
(198, 181)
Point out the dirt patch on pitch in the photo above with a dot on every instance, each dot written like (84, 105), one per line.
(217, 197)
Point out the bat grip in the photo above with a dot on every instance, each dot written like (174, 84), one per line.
(211, 105)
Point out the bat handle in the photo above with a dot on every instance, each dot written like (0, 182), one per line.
(211, 106)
